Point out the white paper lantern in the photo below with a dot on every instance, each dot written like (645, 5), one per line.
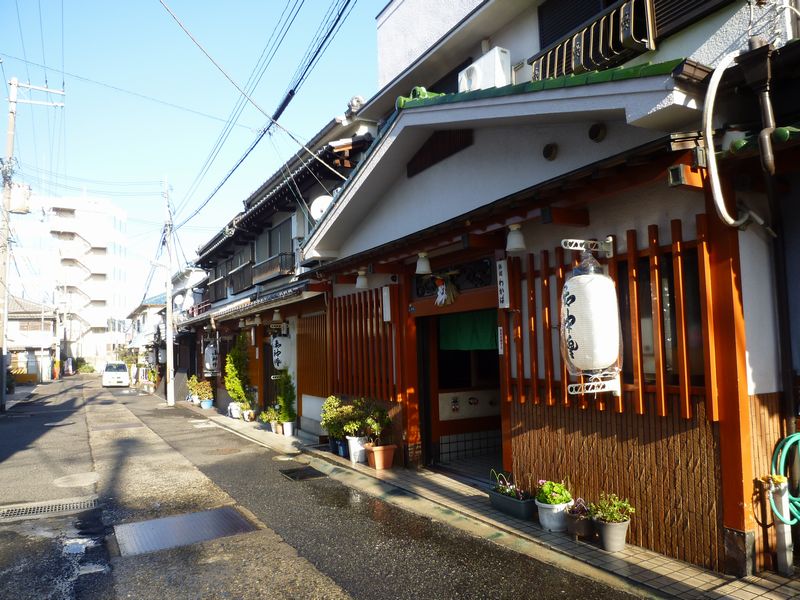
(590, 332)
(210, 359)
(282, 352)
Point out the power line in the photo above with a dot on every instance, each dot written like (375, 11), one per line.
(253, 102)
(259, 69)
(321, 46)
(129, 92)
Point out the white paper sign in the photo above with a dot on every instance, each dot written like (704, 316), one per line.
(503, 300)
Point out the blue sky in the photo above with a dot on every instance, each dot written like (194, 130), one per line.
(121, 145)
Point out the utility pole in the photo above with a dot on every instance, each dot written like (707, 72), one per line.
(5, 237)
(170, 344)
(5, 241)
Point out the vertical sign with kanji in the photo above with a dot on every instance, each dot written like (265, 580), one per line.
(503, 300)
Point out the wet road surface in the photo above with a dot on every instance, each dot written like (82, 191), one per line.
(368, 547)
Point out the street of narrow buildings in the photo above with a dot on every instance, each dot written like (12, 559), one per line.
(123, 457)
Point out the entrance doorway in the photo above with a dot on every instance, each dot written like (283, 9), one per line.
(269, 384)
(461, 409)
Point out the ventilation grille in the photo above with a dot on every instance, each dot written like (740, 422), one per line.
(47, 508)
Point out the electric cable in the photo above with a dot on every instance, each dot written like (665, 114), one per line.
(249, 99)
(131, 93)
(270, 49)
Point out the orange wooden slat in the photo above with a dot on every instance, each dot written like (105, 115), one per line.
(332, 318)
(516, 290)
(561, 270)
(347, 348)
(658, 321)
(681, 328)
(379, 332)
(533, 345)
(547, 332)
(505, 357)
(362, 346)
(613, 272)
(636, 324)
(707, 316)
(372, 351)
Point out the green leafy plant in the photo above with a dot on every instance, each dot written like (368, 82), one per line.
(354, 418)
(503, 484)
(377, 421)
(191, 385)
(269, 415)
(286, 397)
(236, 379)
(610, 508)
(204, 391)
(552, 492)
(332, 416)
(152, 375)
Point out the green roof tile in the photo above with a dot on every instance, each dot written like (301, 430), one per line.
(592, 77)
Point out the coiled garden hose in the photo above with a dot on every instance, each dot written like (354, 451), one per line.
(782, 452)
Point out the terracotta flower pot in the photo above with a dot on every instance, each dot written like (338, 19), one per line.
(380, 457)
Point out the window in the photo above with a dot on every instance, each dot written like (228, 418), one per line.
(557, 18)
(262, 247)
(280, 238)
(694, 330)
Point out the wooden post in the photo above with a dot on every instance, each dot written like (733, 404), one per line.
(734, 406)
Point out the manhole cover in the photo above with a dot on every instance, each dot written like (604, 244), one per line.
(301, 473)
(77, 480)
(222, 451)
(117, 426)
(180, 530)
(30, 510)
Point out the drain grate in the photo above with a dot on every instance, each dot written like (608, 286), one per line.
(47, 508)
(301, 473)
(180, 530)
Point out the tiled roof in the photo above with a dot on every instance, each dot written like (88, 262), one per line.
(17, 306)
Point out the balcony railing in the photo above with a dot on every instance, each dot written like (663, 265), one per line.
(280, 264)
(242, 277)
(620, 33)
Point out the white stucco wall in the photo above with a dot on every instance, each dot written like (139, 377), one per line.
(407, 28)
(718, 34)
(760, 311)
(502, 160)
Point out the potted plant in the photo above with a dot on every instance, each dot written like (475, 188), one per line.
(611, 515)
(506, 497)
(552, 500)
(236, 381)
(191, 385)
(579, 522)
(331, 421)
(269, 419)
(379, 454)
(205, 394)
(286, 398)
(355, 428)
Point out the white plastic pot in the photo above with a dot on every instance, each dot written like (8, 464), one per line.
(358, 453)
(553, 517)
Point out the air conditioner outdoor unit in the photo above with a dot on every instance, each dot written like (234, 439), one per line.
(493, 69)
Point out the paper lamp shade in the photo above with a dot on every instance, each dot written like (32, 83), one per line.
(210, 358)
(282, 352)
(590, 333)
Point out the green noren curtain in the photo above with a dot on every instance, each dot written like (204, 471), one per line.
(468, 331)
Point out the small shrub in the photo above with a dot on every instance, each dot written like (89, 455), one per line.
(610, 508)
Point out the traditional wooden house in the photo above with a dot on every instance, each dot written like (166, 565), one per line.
(529, 124)
(253, 283)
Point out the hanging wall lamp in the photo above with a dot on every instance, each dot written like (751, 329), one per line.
(361, 281)
(515, 242)
(423, 264)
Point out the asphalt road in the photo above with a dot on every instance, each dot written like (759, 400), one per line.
(371, 549)
(315, 538)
